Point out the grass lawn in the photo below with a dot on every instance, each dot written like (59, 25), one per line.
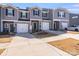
(43, 35)
(5, 39)
(68, 45)
(1, 51)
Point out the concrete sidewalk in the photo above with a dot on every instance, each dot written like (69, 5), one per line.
(24, 47)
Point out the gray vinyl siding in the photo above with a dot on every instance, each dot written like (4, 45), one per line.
(0, 19)
(60, 9)
(15, 17)
(51, 18)
(49, 14)
(73, 21)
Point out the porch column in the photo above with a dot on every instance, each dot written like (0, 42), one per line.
(30, 28)
(39, 25)
(1, 26)
(15, 27)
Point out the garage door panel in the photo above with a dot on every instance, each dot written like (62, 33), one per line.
(64, 25)
(45, 26)
(22, 28)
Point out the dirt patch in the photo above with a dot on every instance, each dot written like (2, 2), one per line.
(43, 34)
(2, 50)
(68, 45)
(73, 32)
(5, 39)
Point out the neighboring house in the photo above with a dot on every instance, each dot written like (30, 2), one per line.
(23, 23)
(73, 19)
(13, 19)
(9, 17)
(60, 18)
(40, 19)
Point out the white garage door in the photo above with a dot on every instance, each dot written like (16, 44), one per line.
(64, 25)
(22, 28)
(45, 26)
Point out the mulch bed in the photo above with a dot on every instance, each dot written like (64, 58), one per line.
(2, 36)
(43, 34)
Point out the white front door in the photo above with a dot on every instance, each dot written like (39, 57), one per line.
(45, 26)
(22, 28)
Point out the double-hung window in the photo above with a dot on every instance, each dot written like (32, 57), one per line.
(23, 15)
(61, 14)
(10, 12)
(44, 13)
(36, 12)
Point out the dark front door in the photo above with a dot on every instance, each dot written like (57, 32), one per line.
(35, 26)
(11, 27)
(56, 25)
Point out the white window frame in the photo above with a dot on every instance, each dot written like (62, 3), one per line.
(36, 11)
(61, 13)
(10, 10)
(24, 13)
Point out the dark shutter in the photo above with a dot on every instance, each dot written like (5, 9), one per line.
(0, 12)
(38, 12)
(6, 11)
(26, 15)
(58, 14)
(33, 12)
(64, 14)
(13, 13)
(20, 14)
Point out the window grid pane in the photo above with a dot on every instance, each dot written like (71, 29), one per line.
(10, 12)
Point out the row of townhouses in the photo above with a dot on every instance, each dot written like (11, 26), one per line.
(13, 19)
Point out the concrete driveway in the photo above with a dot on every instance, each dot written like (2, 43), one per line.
(27, 45)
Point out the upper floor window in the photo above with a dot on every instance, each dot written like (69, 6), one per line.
(44, 13)
(23, 15)
(75, 17)
(61, 14)
(36, 12)
(10, 12)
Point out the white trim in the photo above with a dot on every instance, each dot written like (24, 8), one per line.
(16, 21)
(22, 21)
(60, 20)
(9, 20)
(46, 20)
(10, 16)
(23, 11)
(36, 19)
